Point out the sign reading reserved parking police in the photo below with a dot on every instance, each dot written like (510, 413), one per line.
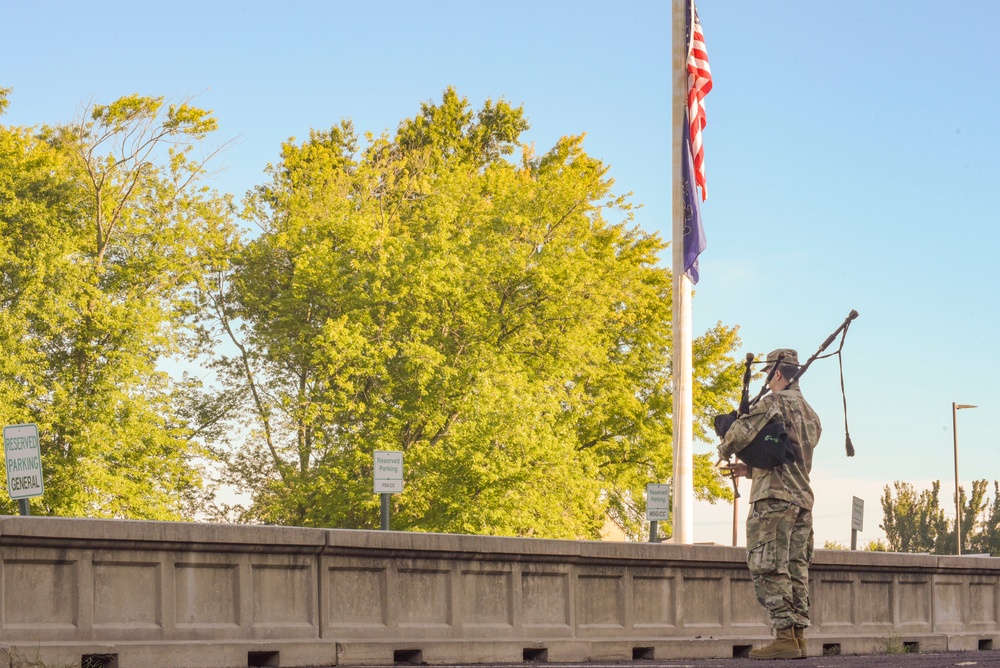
(24, 461)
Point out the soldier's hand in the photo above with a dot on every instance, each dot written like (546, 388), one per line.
(738, 469)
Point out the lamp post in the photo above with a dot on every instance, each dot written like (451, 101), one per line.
(958, 503)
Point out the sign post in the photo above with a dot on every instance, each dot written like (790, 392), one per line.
(657, 508)
(23, 456)
(388, 468)
(857, 520)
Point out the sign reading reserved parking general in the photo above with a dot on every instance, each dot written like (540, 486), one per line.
(24, 461)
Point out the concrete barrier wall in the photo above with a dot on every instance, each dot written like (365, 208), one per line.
(151, 594)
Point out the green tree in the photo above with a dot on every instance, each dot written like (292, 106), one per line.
(876, 545)
(987, 539)
(912, 522)
(972, 509)
(917, 523)
(483, 315)
(103, 241)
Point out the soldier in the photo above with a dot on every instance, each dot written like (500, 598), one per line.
(779, 526)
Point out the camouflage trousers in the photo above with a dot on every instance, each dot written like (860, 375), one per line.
(780, 548)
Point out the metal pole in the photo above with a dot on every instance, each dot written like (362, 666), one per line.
(385, 511)
(24, 507)
(958, 504)
(683, 518)
(654, 532)
(736, 516)
(854, 539)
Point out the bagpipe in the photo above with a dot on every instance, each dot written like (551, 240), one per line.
(770, 447)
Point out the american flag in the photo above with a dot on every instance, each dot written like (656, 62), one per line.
(699, 83)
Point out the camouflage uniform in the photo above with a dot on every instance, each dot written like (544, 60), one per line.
(779, 526)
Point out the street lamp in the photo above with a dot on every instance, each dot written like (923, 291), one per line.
(958, 504)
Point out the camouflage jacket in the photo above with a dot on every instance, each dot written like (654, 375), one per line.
(789, 482)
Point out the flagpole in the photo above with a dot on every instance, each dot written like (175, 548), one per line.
(683, 487)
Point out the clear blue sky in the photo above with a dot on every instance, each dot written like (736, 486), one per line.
(852, 152)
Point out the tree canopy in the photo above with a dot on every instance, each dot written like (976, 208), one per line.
(102, 237)
(441, 290)
(503, 323)
(916, 522)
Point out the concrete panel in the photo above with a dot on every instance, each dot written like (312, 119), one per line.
(128, 597)
(600, 599)
(983, 604)
(41, 593)
(157, 595)
(283, 596)
(915, 603)
(700, 647)
(964, 643)
(874, 602)
(422, 596)
(487, 600)
(833, 602)
(610, 650)
(948, 599)
(566, 650)
(207, 594)
(439, 652)
(702, 601)
(356, 597)
(545, 599)
(654, 603)
(746, 615)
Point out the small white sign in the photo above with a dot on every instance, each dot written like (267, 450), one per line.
(23, 456)
(858, 514)
(388, 466)
(657, 503)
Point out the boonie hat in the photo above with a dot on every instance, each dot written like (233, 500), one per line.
(791, 358)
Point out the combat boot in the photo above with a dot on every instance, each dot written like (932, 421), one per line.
(800, 638)
(784, 646)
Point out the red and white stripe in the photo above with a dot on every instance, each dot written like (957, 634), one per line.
(699, 83)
